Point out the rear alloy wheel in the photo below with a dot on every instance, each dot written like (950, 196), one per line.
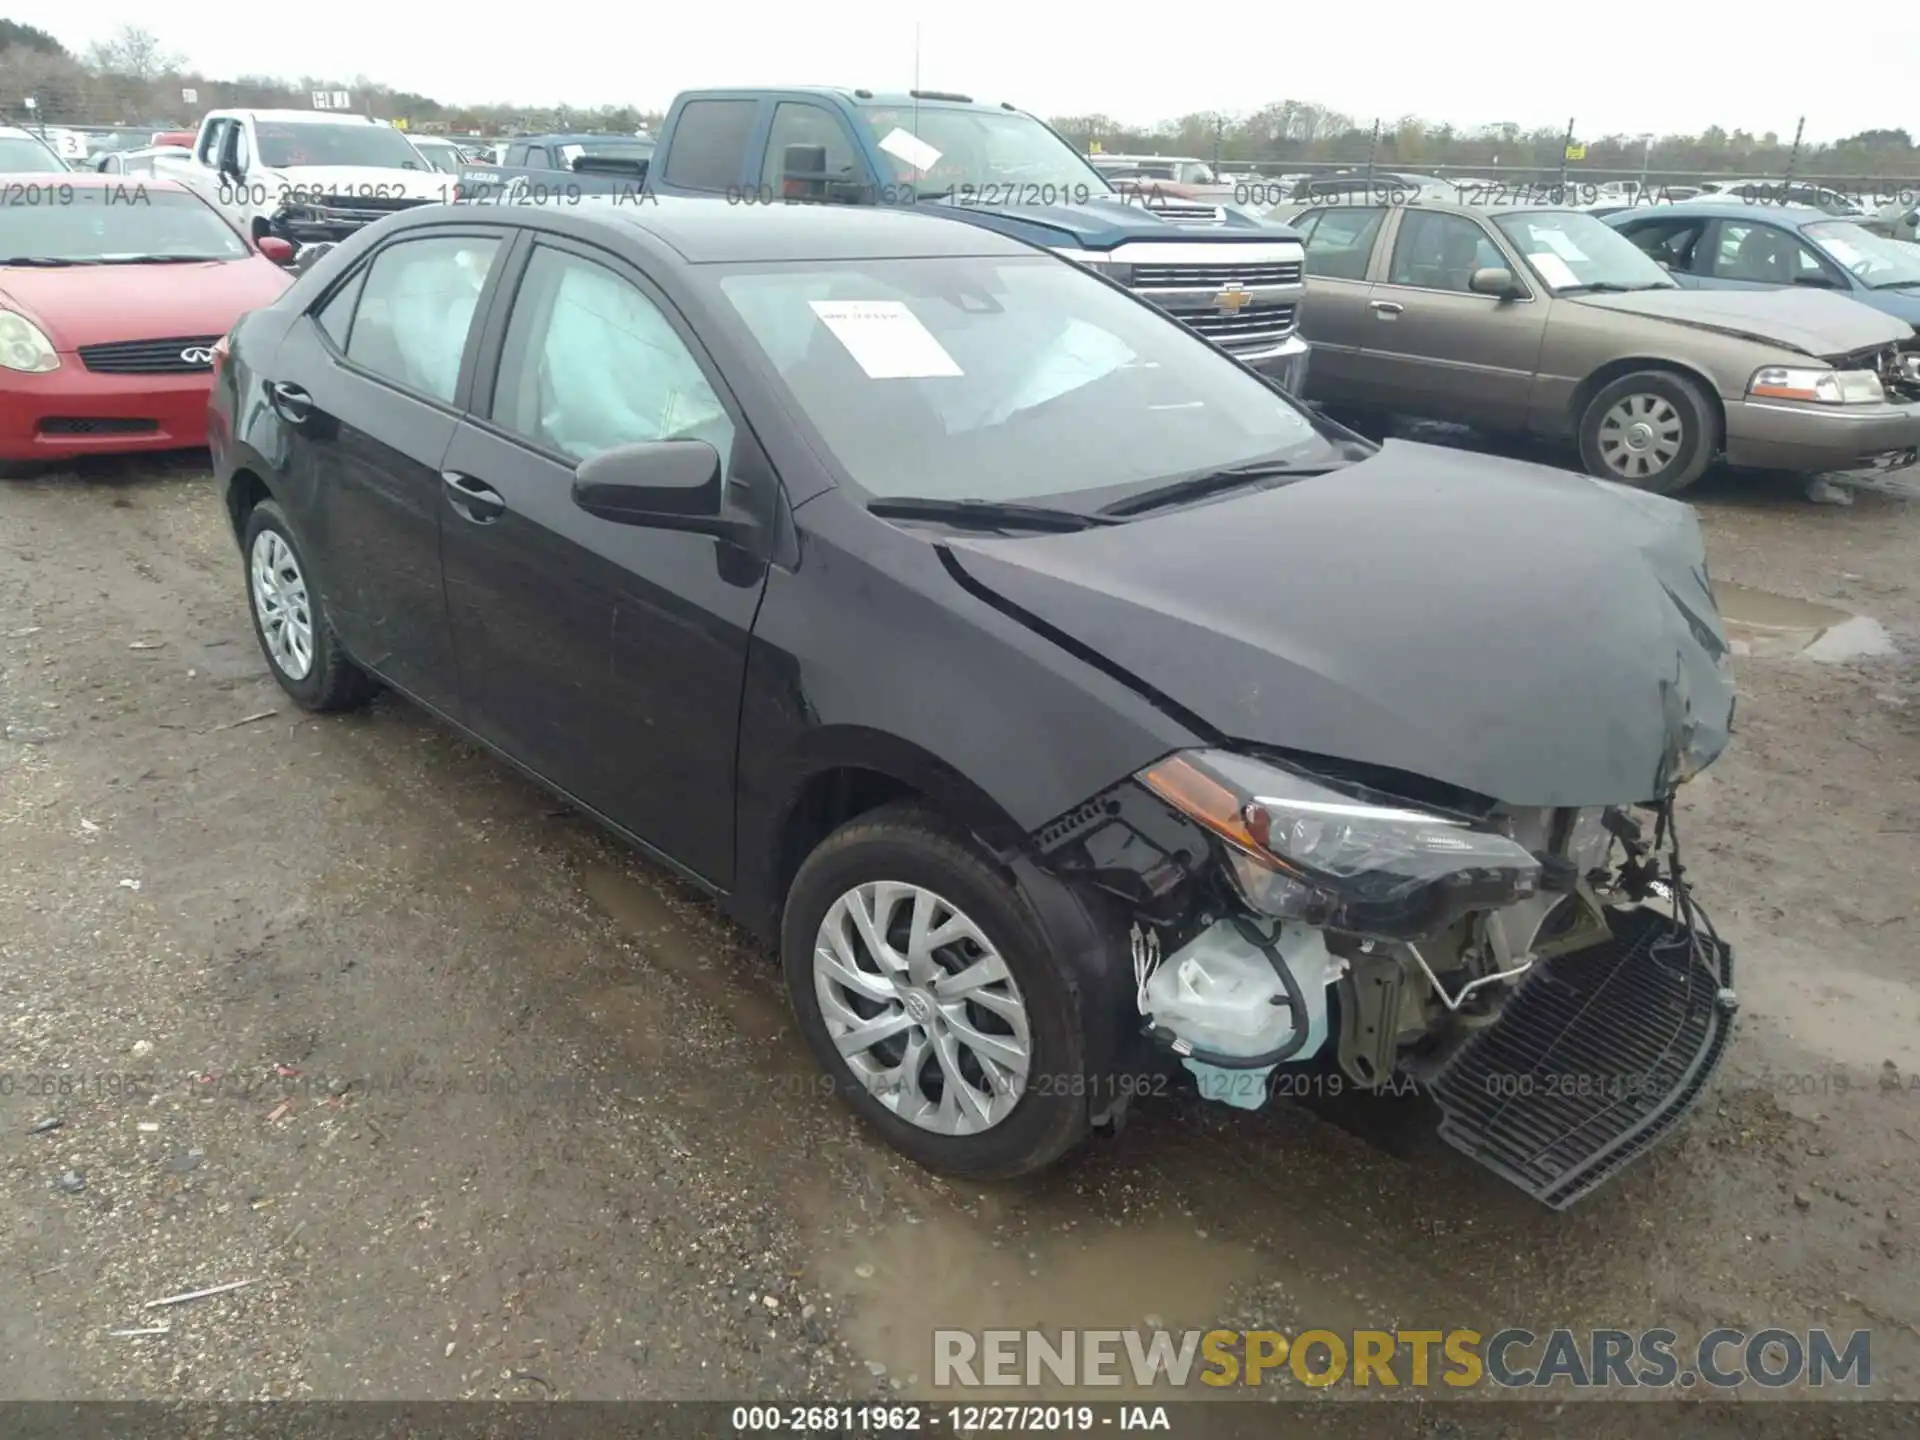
(1653, 430)
(923, 986)
(290, 619)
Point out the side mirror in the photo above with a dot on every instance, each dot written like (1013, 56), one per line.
(1494, 280)
(659, 485)
(279, 251)
(804, 176)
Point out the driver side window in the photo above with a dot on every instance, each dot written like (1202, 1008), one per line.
(591, 364)
(1764, 254)
(1438, 251)
(242, 152)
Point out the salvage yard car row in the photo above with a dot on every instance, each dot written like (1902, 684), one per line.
(991, 619)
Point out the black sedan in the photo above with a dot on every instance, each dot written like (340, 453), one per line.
(1067, 704)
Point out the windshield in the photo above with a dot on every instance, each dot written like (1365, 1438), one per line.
(1005, 378)
(942, 149)
(291, 143)
(109, 223)
(1570, 251)
(23, 155)
(1878, 262)
(443, 158)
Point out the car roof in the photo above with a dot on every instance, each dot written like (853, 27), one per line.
(853, 95)
(1742, 210)
(15, 132)
(706, 231)
(323, 117)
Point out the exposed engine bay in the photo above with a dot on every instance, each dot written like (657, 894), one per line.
(1898, 367)
(1545, 975)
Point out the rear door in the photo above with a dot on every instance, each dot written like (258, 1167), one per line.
(1433, 346)
(1339, 243)
(609, 658)
(368, 388)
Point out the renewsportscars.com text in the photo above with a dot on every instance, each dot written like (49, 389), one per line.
(1511, 1358)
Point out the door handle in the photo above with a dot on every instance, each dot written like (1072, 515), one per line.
(1385, 307)
(291, 402)
(478, 502)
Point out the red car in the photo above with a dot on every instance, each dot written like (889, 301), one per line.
(113, 293)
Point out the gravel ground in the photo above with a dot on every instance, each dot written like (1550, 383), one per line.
(478, 1104)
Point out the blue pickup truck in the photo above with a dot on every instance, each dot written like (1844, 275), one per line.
(1226, 273)
(536, 167)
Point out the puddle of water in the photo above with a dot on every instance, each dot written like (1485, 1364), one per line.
(684, 954)
(895, 1288)
(1761, 623)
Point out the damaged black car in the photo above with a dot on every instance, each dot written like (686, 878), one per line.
(1064, 701)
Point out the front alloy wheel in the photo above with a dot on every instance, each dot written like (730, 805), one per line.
(926, 985)
(922, 1008)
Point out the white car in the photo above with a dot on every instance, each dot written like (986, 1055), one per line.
(305, 175)
(438, 151)
(24, 153)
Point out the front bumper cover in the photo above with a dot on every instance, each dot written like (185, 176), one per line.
(1804, 438)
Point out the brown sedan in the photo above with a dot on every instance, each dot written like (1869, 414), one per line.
(1548, 322)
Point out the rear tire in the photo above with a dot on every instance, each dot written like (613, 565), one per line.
(1653, 429)
(936, 1089)
(290, 618)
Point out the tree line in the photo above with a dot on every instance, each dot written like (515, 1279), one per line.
(133, 79)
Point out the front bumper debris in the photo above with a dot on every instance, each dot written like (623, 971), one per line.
(1597, 1056)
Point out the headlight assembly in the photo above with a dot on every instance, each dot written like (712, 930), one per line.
(24, 346)
(1299, 850)
(1826, 387)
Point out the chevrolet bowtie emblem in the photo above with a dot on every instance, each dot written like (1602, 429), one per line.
(1232, 300)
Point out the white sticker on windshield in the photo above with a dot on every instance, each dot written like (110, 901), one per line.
(885, 338)
(1560, 244)
(571, 153)
(1555, 271)
(910, 148)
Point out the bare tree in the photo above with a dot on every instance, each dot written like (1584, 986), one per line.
(134, 53)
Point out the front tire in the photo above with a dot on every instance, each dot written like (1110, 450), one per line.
(924, 986)
(290, 619)
(1652, 429)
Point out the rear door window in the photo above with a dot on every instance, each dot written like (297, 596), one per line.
(1341, 243)
(709, 148)
(415, 309)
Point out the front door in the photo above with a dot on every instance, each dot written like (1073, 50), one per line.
(608, 658)
(387, 347)
(1440, 350)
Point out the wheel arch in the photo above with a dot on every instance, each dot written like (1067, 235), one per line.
(1603, 376)
(841, 772)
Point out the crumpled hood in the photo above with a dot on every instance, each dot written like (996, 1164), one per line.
(1814, 322)
(1531, 635)
(366, 180)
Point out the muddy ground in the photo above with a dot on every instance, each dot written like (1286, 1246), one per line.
(482, 1105)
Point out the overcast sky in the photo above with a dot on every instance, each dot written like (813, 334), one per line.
(1147, 60)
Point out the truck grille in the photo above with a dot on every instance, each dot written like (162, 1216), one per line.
(369, 204)
(1249, 327)
(150, 357)
(1214, 277)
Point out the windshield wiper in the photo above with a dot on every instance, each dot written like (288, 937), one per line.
(1211, 482)
(990, 514)
(49, 260)
(165, 259)
(1895, 284)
